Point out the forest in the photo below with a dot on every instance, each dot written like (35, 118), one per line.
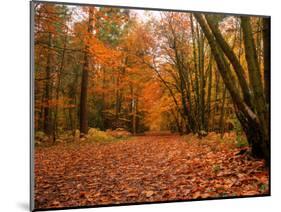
(146, 106)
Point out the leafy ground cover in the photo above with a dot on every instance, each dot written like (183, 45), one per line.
(145, 169)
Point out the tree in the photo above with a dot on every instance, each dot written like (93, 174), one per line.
(49, 19)
(85, 76)
(253, 117)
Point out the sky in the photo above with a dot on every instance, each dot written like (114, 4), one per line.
(143, 15)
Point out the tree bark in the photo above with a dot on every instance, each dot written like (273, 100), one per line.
(247, 117)
(266, 57)
(222, 112)
(84, 82)
(210, 77)
(257, 87)
(47, 109)
(55, 132)
(228, 51)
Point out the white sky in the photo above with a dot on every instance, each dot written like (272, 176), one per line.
(143, 15)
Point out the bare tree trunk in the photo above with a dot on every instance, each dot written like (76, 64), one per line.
(117, 98)
(177, 121)
(84, 82)
(201, 80)
(258, 38)
(133, 110)
(196, 71)
(253, 124)
(210, 78)
(55, 132)
(48, 92)
(266, 57)
(222, 112)
(257, 87)
(229, 53)
(217, 82)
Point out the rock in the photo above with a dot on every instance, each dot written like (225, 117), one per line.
(95, 134)
(39, 135)
(120, 129)
(119, 133)
(37, 143)
(202, 133)
(45, 139)
(76, 135)
(59, 140)
(92, 131)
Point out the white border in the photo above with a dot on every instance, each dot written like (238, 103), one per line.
(14, 111)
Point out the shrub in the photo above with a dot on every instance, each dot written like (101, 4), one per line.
(119, 133)
(95, 134)
(39, 135)
(241, 141)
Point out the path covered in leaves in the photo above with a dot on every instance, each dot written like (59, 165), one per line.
(144, 169)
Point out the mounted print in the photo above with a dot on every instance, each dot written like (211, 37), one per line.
(138, 105)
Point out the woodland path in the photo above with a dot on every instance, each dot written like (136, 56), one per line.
(144, 169)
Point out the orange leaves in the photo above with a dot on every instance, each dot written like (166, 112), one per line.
(104, 55)
(48, 19)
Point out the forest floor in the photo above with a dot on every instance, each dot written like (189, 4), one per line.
(145, 169)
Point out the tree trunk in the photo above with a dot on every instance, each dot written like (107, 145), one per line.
(248, 119)
(217, 82)
(177, 121)
(196, 71)
(48, 95)
(55, 132)
(207, 121)
(266, 57)
(117, 98)
(84, 82)
(229, 53)
(257, 87)
(201, 80)
(222, 112)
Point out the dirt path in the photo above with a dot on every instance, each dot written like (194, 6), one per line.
(144, 169)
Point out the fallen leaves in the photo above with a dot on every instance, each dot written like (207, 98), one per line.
(148, 193)
(144, 169)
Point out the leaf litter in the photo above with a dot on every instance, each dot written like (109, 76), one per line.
(145, 169)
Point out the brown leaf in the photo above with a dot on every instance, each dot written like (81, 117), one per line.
(148, 193)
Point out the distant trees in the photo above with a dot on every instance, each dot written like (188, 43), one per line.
(50, 46)
(86, 71)
(188, 74)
